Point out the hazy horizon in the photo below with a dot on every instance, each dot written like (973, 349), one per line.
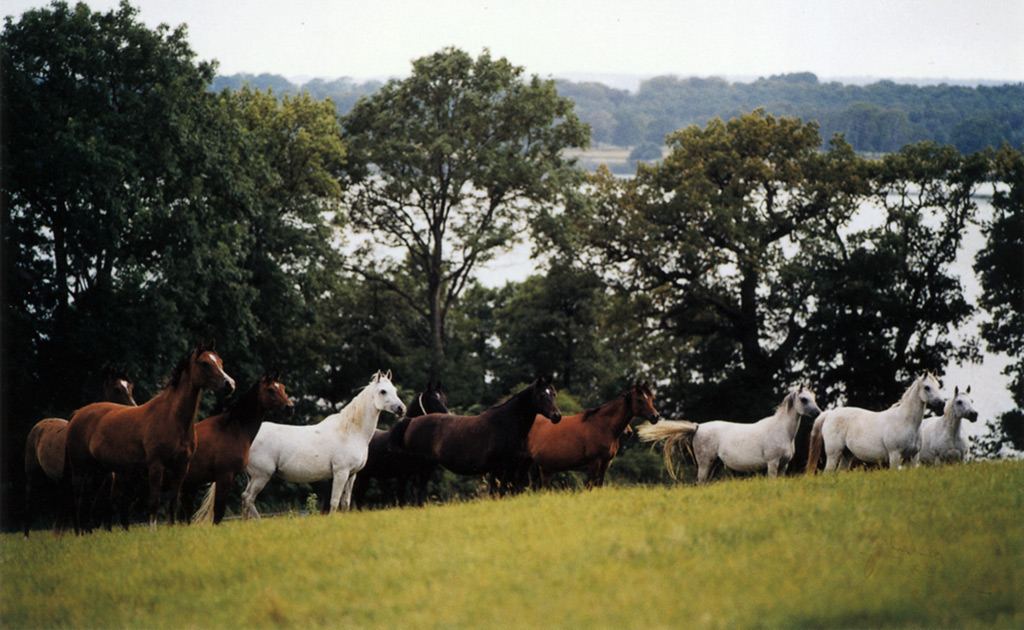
(936, 41)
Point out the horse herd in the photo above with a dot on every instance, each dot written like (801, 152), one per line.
(113, 451)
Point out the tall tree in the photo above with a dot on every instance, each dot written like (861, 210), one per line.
(455, 159)
(707, 242)
(142, 212)
(108, 135)
(886, 299)
(563, 323)
(294, 155)
(1000, 268)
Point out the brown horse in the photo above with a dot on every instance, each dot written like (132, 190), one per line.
(489, 443)
(222, 444)
(157, 438)
(589, 440)
(45, 446)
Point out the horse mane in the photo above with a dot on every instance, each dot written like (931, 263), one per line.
(906, 394)
(183, 364)
(788, 400)
(516, 396)
(590, 413)
(347, 411)
(253, 392)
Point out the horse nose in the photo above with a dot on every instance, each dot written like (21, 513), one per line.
(972, 415)
(656, 418)
(555, 418)
(229, 385)
(290, 410)
(398, 409)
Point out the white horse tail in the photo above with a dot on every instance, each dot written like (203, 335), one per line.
(815, 445)
(205, 512)
(676, 434)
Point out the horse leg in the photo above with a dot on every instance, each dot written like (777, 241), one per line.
(833, 457)
(773, 468)
(895, 459)
(602, 471)
(220, 497)
(845, 459)
(118, 500)
(81, 483)
(175, 483)
(252, 489)
(705, 467)
(346, 497)
(32, 479)
(338, 488)
(156, 482)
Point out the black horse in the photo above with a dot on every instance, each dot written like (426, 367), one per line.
(491, 443)
(386, 460)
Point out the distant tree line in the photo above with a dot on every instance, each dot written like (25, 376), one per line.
(143, 211)
(878, 118)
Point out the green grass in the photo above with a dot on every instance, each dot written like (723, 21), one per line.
(913, 548)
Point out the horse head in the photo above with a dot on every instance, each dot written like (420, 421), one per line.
(962, 405)
(385, 397)
(642, 400)
(117, 387)
(433, 399)
(543, 399)
(272, 395)
(801, 399)
(208, 369)
(930, 393)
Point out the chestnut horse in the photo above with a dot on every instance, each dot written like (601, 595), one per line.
(222, 444)
(157, 438)
(45, 446)
(589, 440)
(386, 460)
(492, 442)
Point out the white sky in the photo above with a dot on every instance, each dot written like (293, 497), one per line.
(919, 39)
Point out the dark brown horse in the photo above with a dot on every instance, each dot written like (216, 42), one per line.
(156, 439)
(589, 440)
(45, 446)
(223, 440)
(490, 443)
(388, 461)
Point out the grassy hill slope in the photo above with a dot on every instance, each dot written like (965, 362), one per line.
(912, 548)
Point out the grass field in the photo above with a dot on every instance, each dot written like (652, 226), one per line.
(921, 548)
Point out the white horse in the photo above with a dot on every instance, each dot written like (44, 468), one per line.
(943, 439)
(873, 436)
(333, 449)
(767, 444)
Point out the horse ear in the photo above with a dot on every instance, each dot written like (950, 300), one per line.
(956, 391)
(388, 375)
(968, 390)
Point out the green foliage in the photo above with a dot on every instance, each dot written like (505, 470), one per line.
(143, 212)
(879, 118)
(851, 552)
(705, 242)
(448, 161)
(886, 298)
(1000, 267)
